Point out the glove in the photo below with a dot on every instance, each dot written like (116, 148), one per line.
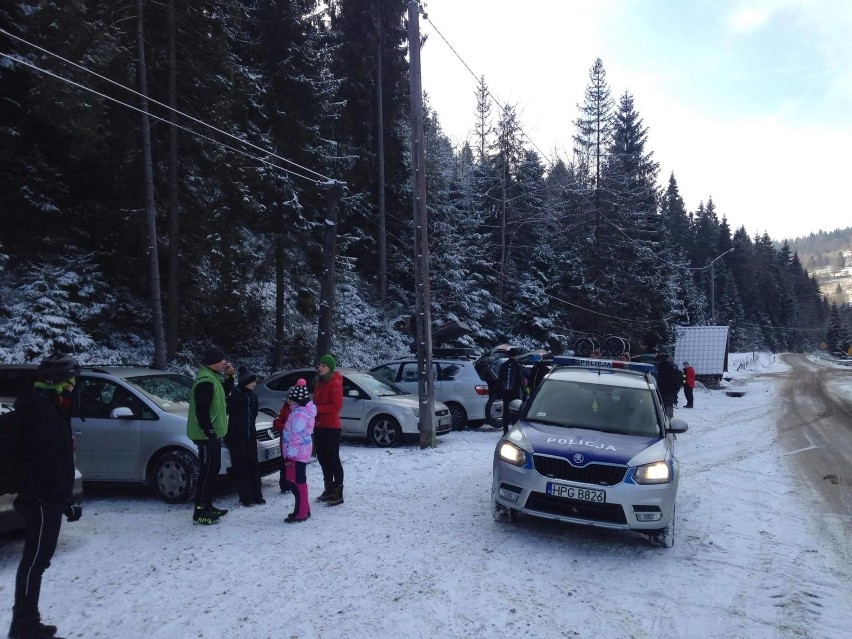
(73, 511)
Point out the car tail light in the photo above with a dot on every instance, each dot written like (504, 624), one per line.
(481, 390)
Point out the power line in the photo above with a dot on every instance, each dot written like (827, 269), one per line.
(156, 117)
(165, 106)
(477, 78)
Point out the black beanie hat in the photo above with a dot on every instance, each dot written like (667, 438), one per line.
(213, 355)
(299, 393)
(245, 376)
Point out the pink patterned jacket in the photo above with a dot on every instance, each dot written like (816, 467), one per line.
(297, 436)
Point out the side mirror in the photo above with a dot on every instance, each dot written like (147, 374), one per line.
(515, 406)
(354, 394)
(677, 426)
(121, 412)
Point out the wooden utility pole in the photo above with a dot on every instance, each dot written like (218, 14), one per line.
(380, 159)
(425, 380)
(325, 332)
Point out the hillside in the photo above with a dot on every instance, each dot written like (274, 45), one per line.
(828, 257)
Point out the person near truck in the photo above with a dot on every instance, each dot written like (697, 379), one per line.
(688, 383)
(206, 425)
(47, 483)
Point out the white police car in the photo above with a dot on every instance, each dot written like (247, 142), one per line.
(594, 447)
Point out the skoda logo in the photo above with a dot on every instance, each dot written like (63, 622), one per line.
(578, 458)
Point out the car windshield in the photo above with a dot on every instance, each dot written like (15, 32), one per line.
(169, 391)
(601, 407)
(375, 385)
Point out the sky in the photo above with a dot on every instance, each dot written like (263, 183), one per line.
(414, 552)
(745, 101)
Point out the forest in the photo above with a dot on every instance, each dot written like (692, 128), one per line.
(170, 170)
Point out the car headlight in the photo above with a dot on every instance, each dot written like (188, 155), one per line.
(512, 454)
(657, 473)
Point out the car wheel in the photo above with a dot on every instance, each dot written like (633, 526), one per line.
(502, 513)
(458, 416)
(384, 432)
(174, 475)
(664, 538)
(494, 412)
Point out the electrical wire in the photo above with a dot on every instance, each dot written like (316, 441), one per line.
(156, 117)
(165, 106)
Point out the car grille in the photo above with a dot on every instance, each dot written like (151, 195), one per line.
(594, 474)
(606, 513)
(265, 435)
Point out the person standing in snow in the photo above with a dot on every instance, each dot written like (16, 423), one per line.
(206, 424)
(668, 381)
(296, 446)
(47, 484)
(328, 398)
(242, 438)
(511, 384)
(688, 383)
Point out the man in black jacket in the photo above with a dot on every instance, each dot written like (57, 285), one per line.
(47, 484)
(668, 381)
(511, 384)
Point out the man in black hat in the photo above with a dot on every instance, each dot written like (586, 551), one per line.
(46, 485)
(206, 425)
(241, 438)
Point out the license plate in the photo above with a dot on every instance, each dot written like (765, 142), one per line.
(572, 492)
(273, 452)
(444, 421)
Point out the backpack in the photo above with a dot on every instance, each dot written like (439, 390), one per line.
(11, 451)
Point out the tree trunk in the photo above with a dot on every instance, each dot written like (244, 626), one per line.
(380, 161)
(325, 332)
(150, 213)
(174, 221)
(278, 342)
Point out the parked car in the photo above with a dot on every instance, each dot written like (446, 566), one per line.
(9, 517)
(129, 424)
(372, 407)
(592, 447)
(456, 383)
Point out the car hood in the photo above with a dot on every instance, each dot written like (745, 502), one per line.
(584, 447)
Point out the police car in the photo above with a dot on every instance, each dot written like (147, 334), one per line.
(594, 447)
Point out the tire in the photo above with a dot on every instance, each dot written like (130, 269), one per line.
(174, 475)
(494, 412)
(665, 537)
(584, 346)
(458, 416)
(475, 424)
(384, 431)
(503, 514)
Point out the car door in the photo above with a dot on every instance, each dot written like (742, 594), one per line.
(108, 447)
(355, 406)
(408, 378)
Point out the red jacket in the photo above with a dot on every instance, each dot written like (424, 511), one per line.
(283, 414)
(328, 398)
(689, 376)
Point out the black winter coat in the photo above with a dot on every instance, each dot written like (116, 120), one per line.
(48, 448)
(242, 414)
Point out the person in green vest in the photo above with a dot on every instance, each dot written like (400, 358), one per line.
(206, 425)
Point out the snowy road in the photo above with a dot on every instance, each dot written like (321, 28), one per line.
(414, 552)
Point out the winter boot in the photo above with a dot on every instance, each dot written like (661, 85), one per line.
(336, 497)
(327, 493)
(218, 512)
(31, 629)
(303, 507)
(204, 516)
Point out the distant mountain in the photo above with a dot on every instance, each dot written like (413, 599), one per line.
(828, 257)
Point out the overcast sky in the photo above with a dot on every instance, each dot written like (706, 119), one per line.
(747, 101)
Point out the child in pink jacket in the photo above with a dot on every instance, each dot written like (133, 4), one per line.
(297, 442)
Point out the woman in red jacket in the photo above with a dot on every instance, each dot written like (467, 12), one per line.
(328, 398)
(688, 383)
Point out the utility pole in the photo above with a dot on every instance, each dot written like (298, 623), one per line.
(425, 380)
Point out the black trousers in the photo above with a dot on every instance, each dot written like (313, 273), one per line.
(245, 468)
(687, 393)
(327, 447)
(508, 419)
(43, 521)
(210, 458)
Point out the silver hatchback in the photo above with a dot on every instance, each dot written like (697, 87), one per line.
(129, 424)
(372, 407)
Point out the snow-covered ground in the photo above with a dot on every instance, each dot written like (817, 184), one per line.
(414, 552)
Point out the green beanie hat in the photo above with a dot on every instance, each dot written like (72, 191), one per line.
(329, 361)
